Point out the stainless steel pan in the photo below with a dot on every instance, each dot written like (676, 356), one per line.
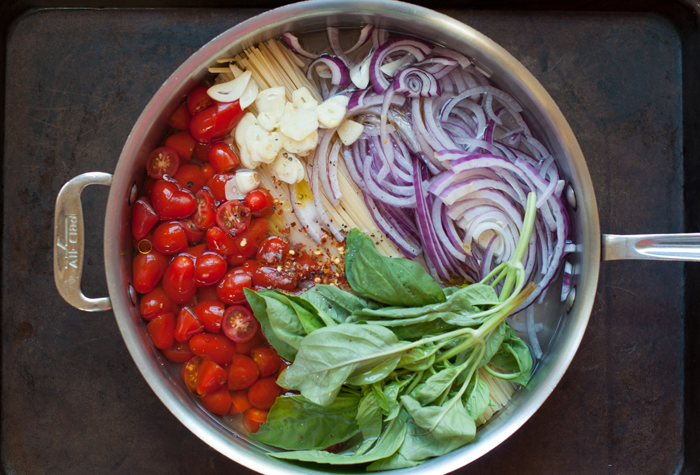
(567, 326)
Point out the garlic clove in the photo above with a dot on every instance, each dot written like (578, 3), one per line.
(232, 90)
(349, 131)
(300, 147)
(249, 95)
(272, 100)
(247, 181)
(263, 144)
(297, 123)
(288, 168)
(332, 112)
(303, 99)
(267, 121)
(246, 121)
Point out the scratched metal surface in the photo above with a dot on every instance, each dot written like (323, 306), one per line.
(73, 400)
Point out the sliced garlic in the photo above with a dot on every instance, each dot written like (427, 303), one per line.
(267, 121)
(390, 69)
(303, 98)
(266, 145)
(232, 191)
(349, 131)
(272, 100)
(246, 121)
(359, 74)
(247, 181)
(302, 146)
(235, 70)
(249, 95)
(332, 112)
(288, 168)
(247, 159)
(324, 71)
(232, 90)
(297, 123)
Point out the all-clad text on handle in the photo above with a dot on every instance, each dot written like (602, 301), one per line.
(69, 244)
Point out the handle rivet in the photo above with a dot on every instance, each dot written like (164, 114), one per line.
(132, 194)
(132, 294)
(570, 299)
(571, 196)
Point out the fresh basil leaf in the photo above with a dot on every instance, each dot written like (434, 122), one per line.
(369, 416)
(295, 423)
(279, 322)
(335, 302)
(332, 356)
(388, 443)
(391, 393)
(381, 398)
(438, 383)
(387, 280)
(477, 397)
(420, 330)
(419, 358)
(394, 462)
(513, 357)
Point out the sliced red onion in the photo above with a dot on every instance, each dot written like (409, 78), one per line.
(532, 333)
(334, 42)
(409, 249)
(340, 74)
(333, 170)
(293, 44)
(438, 66)
(416, 82)
(415, 47)
(566, 281)
(321, 164)
(362, 39)
(436, 215)
(461, 59)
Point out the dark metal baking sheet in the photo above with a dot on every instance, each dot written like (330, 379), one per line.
(76, 80)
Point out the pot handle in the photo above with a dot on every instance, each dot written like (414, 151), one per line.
(69, 245)
(653, 247)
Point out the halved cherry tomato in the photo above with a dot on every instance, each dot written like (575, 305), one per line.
(233, 217)
(253, 418)
(267, 360)
(239, 401)
(155, 303)
(217, 185)
(230, 289)
(260, 202)
(187, 325)
(179, 352)
(272, 250)
(143, 218)
(239, 324)
(221, 242)
(218, 402)
(147, 270)
(190, 177)
(210, 377)
(248, 241)
(263, 392)
(217, 347)
(162, 330)
(210, 268)
(169, 238)
(162, 161)
(215, 121)
(271, 278)
(244, 372)
(208, 293)
(210, 313)
(180, 119)
(192, 232)
(178, 280)
(201, 151)
(171, 201)
(198, 100)
(183, 143)
(223, 158)
(245, 347)
(208, 171)
(205, 215)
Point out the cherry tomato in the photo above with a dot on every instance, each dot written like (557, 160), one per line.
(210, 313)
(179, 352)
(205, 215)
(148, 187)
(178, 280)
(183, 143)
(233, 217)
(253, 418)
(230, 289)
(208, 293)
(211, 377)
(192, 233)
(180, 119)
(260, 202)
(201, 151)
(208, 171)
(239, 324)
(267, 359)
(223, 158)
(143, 218)
(218, 402)
(307, 265)
(236, 260)
(239, 401)
(263, 392)
(210, 268)
(155, 303)
(171, 201)
(221, 242)
(217, 185)
(198, 100)
(162, 330)
(244, 372)
(272, 250)
(245, 347)
(187, 325)
(195, 252)
(251, 265)
(215, 121)
(249, 240)
(169, 238)
(271, 278)
(190, 177)
(147, 270)
(162, 161)
(217, 347)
